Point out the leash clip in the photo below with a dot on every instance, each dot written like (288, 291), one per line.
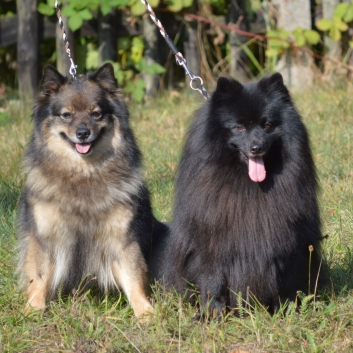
(180, 60)
(72, 69)
(178, 56)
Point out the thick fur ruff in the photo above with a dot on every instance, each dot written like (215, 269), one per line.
(85, 210)
(239, 227)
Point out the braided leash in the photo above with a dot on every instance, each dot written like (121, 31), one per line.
(72, 69)
(180, 60)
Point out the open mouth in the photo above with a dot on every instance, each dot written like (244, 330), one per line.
(256, 168)
(257, 171)
(82, 147)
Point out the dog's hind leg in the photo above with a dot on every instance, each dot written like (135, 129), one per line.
(131, 274)
(36, 275)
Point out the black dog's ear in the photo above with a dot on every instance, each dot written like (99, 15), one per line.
(227, 85)
(273, 82)
(274, 85)
(223, 84)
(276, 79)
(104, 76)
(52, 81)
(227, 89)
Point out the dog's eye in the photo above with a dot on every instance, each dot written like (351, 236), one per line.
(95, 114)
(268, 126)
(66, 115)
(240, 127)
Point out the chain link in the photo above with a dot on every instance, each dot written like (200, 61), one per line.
(180, 60)
(73, 67)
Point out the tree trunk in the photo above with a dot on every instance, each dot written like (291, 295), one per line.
(62, 60)
(150, 33)
(332, 47)
(27, 48)
(107, 37)
(296, 67)
(237, 57)
(293, 14)
(191, 53)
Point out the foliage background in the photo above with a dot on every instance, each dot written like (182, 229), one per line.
(212, 23)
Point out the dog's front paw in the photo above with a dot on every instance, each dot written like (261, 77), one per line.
(34, 305)
(142, 309)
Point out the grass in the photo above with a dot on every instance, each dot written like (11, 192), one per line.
(86, 323)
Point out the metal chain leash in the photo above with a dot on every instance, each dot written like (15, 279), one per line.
(180, 60)
(73, 67)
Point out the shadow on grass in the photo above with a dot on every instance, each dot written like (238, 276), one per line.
(342, 274)
(9, 194)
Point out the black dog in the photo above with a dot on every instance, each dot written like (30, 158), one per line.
(246, 211)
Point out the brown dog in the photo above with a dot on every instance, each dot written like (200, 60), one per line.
(85, 210)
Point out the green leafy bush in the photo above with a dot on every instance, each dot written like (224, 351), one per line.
(280, 39)
(343, 15)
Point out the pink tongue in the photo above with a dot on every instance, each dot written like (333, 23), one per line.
(257, 170)
(83, 147)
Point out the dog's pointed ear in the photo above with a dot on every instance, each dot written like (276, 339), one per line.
(274, 85)
(104, 76)
(227, 88)
(227, 85)
(276, 78)
(275, 81)
(52, 81)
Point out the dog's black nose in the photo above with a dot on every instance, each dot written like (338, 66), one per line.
(82, 133)
(256, 149)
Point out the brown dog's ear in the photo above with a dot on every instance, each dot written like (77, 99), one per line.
(52, 81)
(104, 76)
